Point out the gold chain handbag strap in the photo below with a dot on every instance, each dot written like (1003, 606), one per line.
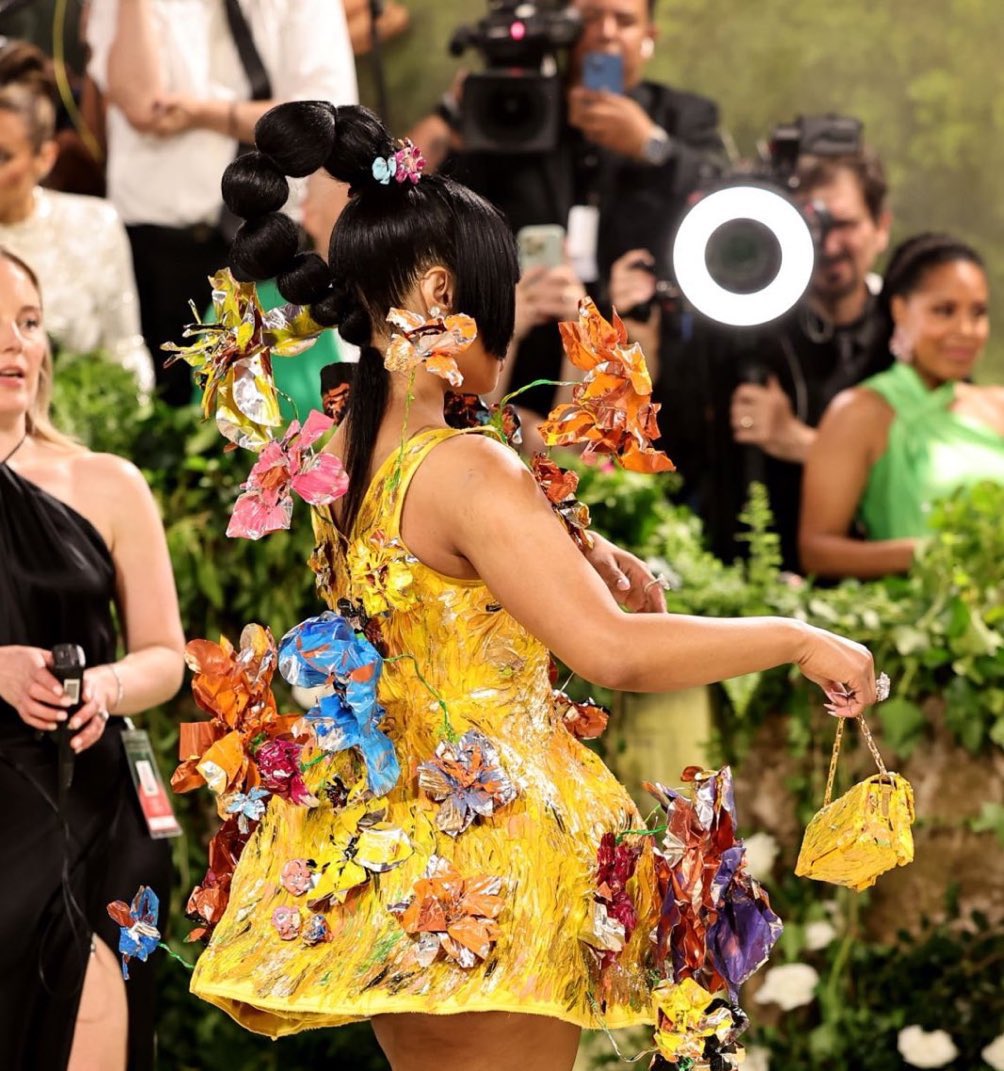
(869, 740)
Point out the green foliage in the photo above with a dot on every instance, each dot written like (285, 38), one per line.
(947, 979)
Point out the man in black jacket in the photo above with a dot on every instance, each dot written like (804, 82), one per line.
(743, 404)
(618, 180)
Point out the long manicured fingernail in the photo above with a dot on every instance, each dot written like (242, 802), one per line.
(623, 583)
(61, 716)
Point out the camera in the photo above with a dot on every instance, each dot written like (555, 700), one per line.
(515, 104)
(744, 253)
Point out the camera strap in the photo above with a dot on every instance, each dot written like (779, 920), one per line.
(261, 89)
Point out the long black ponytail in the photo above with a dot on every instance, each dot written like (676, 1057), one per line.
(386, 236)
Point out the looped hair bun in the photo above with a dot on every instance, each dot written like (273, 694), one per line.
(254, 186)
(298, 135)
(264, 246)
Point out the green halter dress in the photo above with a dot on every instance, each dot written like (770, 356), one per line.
(932, 451)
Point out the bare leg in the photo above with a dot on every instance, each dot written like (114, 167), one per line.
(99, 1040)
(477, 1041)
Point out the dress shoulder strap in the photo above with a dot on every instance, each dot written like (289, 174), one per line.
(398, 471)
(907, 394)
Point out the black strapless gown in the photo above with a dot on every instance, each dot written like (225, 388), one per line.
(57, 585)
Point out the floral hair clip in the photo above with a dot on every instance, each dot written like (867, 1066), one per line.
(404, 165)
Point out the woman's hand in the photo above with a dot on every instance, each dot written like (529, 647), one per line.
(842, 668)
(629, 579)
(632, 280)
(28, 686)
(88, 724)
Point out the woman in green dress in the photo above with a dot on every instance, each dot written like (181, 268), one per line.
(891, 446)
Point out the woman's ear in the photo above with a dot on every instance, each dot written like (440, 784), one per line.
(436, 288)
(45, 159)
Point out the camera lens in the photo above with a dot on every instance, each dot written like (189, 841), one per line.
(743, 256)
(512, 112)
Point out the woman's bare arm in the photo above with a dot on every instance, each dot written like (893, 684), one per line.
(153, 668)
(497, 520)
(851, 438)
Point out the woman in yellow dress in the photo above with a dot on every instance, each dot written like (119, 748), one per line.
(452, 860)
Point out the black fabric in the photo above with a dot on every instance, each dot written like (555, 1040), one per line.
(640, 205)
(173, 266)
(261, 89)
(247, 51)
(813, 362)
(57, 583)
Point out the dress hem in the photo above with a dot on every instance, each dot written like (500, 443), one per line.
(333, 1017)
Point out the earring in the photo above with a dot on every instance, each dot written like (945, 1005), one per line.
(899, 346)
(435, 312)
(647, 48)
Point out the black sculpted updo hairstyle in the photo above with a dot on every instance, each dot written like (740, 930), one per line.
(910, 262)
(385, 238)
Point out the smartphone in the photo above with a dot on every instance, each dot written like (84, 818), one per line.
(603, 71)
(541, 245)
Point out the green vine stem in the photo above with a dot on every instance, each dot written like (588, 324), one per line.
(448, 731)
(174, 955)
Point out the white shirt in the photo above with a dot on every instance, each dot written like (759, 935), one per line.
(175, 182)
(78, 248)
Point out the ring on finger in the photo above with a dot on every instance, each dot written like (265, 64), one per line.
(657, 579)
(882, 687)
(104, 716)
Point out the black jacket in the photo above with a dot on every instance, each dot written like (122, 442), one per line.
(813, 362)
(639, 204)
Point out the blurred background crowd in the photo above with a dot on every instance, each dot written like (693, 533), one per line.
(596, 126)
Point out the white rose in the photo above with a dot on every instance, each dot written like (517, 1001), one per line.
(993, 1054)
(818, 935)
(761, 851)
(922, 1048)
(757, 1059)
(789, 986)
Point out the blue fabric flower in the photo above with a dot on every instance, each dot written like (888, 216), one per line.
(326, 650)
(384, 169)
(248, 806)
(138, 933)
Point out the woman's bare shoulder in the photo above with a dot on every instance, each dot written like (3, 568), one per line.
(857, 409)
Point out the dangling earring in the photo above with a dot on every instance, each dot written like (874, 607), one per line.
(899, 346)
(435, 313)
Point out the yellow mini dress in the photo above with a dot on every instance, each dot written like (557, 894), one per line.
(455, 661)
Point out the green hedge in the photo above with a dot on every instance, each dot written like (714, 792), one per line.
(938, 631)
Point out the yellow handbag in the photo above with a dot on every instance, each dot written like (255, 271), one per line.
(864, 833)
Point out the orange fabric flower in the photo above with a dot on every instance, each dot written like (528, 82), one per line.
(585, 721)
(611, 411)
(434, 342)
(452, 914)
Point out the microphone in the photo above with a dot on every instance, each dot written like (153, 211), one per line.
(68, 663)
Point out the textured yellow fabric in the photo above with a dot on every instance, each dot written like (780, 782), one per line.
(543, 844)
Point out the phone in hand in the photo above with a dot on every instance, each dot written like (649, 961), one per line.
(541, 245)
(603, 71)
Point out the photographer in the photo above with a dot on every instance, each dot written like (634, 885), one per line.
(743, 404)
(627, 157)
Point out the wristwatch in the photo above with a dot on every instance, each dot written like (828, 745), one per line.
(658, 147)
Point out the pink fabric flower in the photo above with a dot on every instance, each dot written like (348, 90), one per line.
(284, 466)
